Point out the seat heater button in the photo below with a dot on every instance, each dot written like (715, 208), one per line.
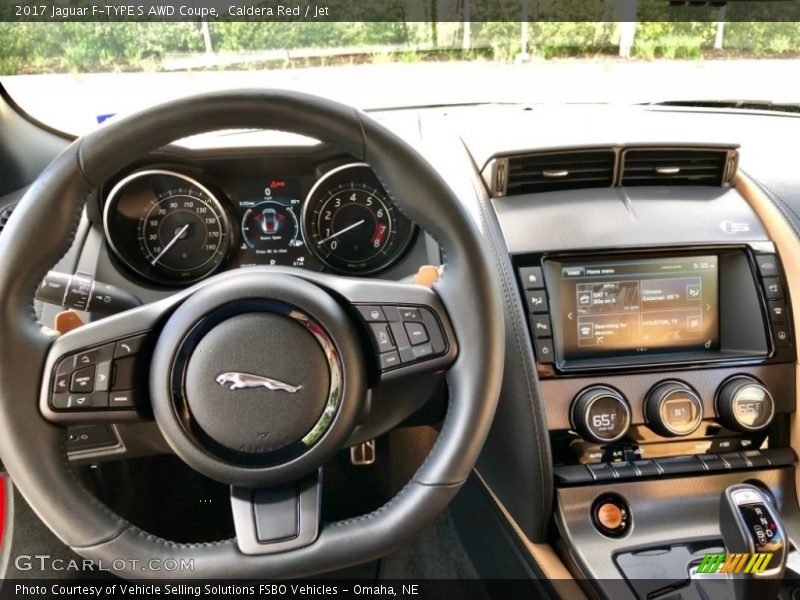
(646, 467)
(417, 334)
(82, 380)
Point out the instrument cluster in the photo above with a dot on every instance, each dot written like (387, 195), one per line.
(173, 228)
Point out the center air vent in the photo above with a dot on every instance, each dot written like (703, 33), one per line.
(559, 171)
(4, 216)
(685, 166)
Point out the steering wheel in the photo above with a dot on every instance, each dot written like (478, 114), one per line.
(257, 376)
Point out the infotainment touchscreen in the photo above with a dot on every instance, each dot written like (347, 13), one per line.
(630, 307)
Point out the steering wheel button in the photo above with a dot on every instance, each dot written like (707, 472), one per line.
(126, 374)
(123, 399)
(422, 351)
(59, 401)
(92, 357)
(417, 334)
(389, 360)
(410, 314)
(128, 346)
(371, 314)
(382, 337)
(102, 378)
(82, 380)
(62, 382)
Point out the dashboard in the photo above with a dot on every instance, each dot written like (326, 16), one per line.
(174, 224)
(651, 355)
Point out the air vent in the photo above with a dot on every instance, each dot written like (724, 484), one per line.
(4, 215)
(687, 166)
(559, 171)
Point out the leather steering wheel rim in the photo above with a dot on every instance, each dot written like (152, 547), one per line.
(32, 449)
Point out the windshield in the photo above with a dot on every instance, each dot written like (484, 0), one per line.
(74, 75)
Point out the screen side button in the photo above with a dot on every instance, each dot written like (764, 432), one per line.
(773, 287)
(777, 311)
(531, 278)
(544, 351)
(781, 335)
(537, 301)
(541, 326)
(767, 265)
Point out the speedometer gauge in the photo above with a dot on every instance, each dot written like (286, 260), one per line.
(350, 223)
(166, 226)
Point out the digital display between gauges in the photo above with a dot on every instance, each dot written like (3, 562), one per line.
(166, 226)
(270, 224)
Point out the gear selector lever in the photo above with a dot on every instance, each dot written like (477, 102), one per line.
(752, 527)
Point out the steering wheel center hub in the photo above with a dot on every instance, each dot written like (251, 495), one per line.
(259, 383)
(250, 378)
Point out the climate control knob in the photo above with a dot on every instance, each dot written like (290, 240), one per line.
(600, 414)
(744, 404)
(673, 409)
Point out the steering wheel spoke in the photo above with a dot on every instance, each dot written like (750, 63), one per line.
(98, 373)
(269, 520)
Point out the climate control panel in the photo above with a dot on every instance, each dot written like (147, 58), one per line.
(694, 421)
(602, 414)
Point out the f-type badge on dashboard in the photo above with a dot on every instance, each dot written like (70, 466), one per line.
(241, 381)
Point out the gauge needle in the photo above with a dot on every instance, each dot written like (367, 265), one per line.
(338, 233)
(172, 242)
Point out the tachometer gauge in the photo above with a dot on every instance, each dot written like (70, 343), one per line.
(350, 223)
(166, 226)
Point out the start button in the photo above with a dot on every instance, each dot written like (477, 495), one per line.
(610, 515)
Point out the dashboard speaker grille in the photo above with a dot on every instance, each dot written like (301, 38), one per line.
(559, 171)
(682, 166)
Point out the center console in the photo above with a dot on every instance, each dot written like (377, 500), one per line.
(658, 364)
(661, 362)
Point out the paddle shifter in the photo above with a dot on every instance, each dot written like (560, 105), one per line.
(752, 528)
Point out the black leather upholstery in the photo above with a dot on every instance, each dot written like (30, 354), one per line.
(32, 449)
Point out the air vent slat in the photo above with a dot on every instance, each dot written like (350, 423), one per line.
(683, 166)
(5, 214)
(559, 171)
